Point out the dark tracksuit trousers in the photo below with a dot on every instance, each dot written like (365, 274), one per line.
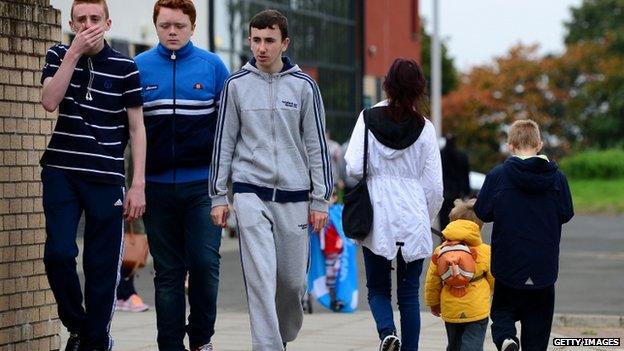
(65, 196)
(182, 238)
(534, 309)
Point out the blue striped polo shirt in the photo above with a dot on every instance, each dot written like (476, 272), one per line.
(91, 132)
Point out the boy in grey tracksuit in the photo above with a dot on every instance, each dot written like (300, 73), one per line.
(270, 139)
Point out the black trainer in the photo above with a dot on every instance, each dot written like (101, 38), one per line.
(510, 345)
(73, 343)
(390, 343)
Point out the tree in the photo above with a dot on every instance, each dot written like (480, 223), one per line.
(592, 79)
(449, 73)
(593, 64)
(576, 97)
(596, 20)
(490, 97)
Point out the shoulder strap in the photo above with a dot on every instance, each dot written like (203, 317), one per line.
(365, 164)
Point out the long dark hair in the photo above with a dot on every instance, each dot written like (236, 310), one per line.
(406, 86)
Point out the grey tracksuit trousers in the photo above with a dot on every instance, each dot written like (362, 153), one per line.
(274, 254)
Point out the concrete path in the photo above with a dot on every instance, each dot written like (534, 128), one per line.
(321, 331)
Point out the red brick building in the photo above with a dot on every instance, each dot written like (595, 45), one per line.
(391, 30)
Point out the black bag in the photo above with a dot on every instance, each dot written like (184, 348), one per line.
(357, 215)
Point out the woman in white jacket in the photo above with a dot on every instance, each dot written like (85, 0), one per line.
(405, 186)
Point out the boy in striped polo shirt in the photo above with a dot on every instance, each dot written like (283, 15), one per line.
(98, 94)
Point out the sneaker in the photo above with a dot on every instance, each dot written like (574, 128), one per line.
(509, 345)
(206, 347)
(133, 304)
(73, 343)
(390, 343)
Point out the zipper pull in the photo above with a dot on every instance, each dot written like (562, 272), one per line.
(173, 55)
(88, 97)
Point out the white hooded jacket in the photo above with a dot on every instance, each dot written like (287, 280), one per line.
(405, 187)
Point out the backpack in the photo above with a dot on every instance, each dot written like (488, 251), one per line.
(456, 266)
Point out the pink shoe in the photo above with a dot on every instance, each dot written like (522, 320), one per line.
(133, 304)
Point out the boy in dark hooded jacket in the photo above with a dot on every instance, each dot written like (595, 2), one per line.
(528, 199)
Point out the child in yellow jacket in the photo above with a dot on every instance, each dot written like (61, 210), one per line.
(464, 309)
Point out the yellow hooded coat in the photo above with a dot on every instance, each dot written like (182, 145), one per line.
(475, 305)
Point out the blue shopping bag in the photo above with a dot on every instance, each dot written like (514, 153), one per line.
(347, 281)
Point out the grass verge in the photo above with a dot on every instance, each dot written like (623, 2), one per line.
(598, 196)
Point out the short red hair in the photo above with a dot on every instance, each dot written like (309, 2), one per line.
(101, 2)
(187, 7)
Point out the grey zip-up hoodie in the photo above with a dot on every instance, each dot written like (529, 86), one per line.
(270, 138)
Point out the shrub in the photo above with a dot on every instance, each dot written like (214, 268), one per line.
(595, 164)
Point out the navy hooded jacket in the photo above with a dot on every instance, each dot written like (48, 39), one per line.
(528, 201)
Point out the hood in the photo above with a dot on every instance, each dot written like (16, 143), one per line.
(463, 230)
(289, 67)
(532, 174)
(395, 135)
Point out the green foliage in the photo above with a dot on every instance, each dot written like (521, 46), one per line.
(591, 80)
(595, 164)
(593, 62)
(598, 196)
(449, 73)
(596, 19)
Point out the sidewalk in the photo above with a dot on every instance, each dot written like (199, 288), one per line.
(339, 332)
(321, 331)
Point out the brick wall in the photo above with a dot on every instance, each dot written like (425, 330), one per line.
(28, 317)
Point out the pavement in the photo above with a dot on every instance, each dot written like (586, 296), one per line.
(320, 331)
(323, 330)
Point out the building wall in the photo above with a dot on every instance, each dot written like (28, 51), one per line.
(391, 30)
(28, 315)
(132, 24)
(324, 38)
(132, 21)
